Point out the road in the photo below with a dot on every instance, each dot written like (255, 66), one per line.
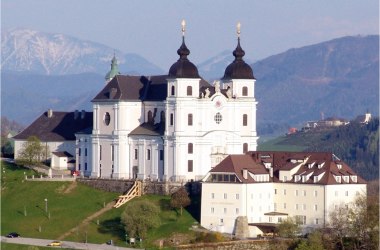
(65, 244)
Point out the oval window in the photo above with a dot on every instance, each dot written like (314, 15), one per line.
(107, 118)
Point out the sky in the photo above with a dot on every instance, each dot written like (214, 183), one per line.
(152, 28)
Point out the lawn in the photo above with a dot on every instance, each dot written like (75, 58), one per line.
(23, 204)
(23, 211)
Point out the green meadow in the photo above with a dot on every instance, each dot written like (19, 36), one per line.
(23, 211)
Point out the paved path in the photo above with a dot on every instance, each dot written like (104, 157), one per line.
(65, 244)
(109, 206)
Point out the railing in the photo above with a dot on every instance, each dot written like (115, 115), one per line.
(132, 193)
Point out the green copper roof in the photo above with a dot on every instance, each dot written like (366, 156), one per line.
(114, 70)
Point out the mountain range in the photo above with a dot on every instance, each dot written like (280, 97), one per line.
(336, 78)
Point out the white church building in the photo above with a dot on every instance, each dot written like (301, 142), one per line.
(173, 127)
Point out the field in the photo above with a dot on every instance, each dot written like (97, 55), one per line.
(280, 144)
(68, 203)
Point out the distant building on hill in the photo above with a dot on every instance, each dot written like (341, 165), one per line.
(267, 187)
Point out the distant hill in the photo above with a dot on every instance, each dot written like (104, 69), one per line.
(25, 96)
(356, 144)
(35, 52)
(339, 78)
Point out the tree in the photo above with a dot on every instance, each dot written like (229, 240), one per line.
(180, 199)
(140, 216)
(314, 242)
(355, 225)
(32, 151)
(288, 228)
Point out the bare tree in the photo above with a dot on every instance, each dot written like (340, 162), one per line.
(180, 199)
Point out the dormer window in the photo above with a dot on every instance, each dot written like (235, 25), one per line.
(354, 178)
(339, 166)
(338, 179)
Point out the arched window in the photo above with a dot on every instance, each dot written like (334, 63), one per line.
(245, 120)
(245, 91)
(245, 148)
(190, 119)
(172, 90)
(190, 148)
(150, 117)
(148, 154)
(189, 91)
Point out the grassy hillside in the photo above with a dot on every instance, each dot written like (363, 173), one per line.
(356, 144)
(69, 203)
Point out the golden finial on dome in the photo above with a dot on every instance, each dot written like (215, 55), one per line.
(238, 26)
(183, 24)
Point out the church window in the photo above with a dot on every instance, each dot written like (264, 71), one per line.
(190, 119)
(85, 152)
(245, 120)
(189, 91)
(136, 153)
(171, 119)
(162, 118)
(79, 151)
(218, 118)
(100, 152)
(161, 155)
(245, 91)
(148, 154)
(85, 166)
(79, 166)
(107, 118)
(112, 153)
(190, 148)
(245, 148)
(172, 90)
(150, 117)
(190, 166)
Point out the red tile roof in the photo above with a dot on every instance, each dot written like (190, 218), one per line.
(311, 164)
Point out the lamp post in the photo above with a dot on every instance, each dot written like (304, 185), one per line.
(46, 204)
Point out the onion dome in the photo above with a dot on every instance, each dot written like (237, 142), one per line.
(114, 70)
(238, 69)
(183, 68)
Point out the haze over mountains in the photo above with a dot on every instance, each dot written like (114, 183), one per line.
(338, 77)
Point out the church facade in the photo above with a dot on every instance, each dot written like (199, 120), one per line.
(173, 127)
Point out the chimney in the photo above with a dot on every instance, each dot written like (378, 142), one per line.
(271, 172)
(50, 113)
(83, 114)
(245, 173)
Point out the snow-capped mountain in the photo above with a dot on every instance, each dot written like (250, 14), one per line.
(26, 50)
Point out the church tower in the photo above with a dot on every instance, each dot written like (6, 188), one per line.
(182, 92)
(114, 70)
(239, 80)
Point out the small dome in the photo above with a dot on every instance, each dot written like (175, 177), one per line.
(114, 70)
(183, 68)
(238, 69)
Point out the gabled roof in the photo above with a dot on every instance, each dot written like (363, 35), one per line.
(137, 88)
(149, 129)
(60, 126)
(236, 164)
(323, 166)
